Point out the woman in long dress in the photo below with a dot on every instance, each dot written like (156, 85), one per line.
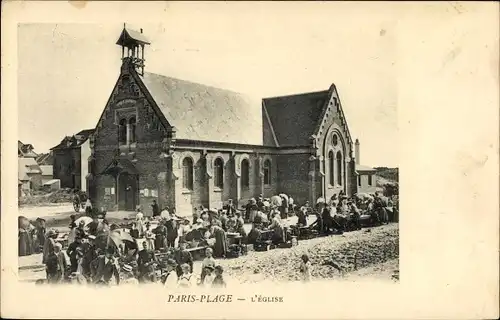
(160, 236)
(25, 242)
(220, 246)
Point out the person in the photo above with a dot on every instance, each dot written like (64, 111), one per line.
(89, 255)
(160, 236)
(302, 217)
(72, 222)
(223, 220)
(260, 203)
(93, 226)
(184, 229)
(72, 230)
(128, 276)
(106, 267)
(49, 243)
(182, 256)
(276, 225)
(172, 233)
(139, 218)
(155, 208)
(25, 242)
(148, 234)
(305, 268)
(354, 216)
(240, 223)
(56, 265)
(208, 279)
(333, 200)
(75, 252)
(134, 233)
(88, 207)
(186, 279)
(40, 234)
(218, 281)
(146, 260)
(220, 247)
(80, 230)
(284, 207)
(170, 278)
(231, 224)
(209, 261)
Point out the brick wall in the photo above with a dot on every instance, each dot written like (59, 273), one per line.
(67, 161)
(293, 176)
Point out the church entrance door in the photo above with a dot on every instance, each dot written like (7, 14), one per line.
(127, 191)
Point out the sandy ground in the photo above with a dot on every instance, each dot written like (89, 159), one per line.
(47, 211)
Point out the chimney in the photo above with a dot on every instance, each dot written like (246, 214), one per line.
(141, 30)
(356, 151)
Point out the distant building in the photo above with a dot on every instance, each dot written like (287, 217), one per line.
(70, 160)
(45, 159)
(47, 173)
(367, 179)
(186, 144)
(25, 150)
(29, 174)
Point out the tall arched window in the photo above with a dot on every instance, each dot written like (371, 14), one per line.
(339, 168)
(245, 173)
(132, 126)
(219, 173)
(331, 164)
(267, 172)
(122, 132)
(187, 173)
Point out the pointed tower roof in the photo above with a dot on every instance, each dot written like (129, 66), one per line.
(130, 37)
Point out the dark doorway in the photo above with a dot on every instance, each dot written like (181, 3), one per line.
(127, 191)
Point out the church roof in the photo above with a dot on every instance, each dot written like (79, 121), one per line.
(200, 112)
(294, 118)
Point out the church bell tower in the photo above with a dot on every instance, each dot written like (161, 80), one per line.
(133, 43)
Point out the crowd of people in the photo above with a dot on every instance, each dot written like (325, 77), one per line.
(158, 249)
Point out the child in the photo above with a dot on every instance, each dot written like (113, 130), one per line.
(218, 281)
(209, 261)
(305, 268)
(186, 280)
(209, 277)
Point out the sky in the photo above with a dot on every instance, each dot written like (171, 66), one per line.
(66, 71)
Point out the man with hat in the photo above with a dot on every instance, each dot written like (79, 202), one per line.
(170, 276)
(89, 255)
(146, 260)
(106, 268)
(182, 256)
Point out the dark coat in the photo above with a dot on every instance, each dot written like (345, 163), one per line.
(105, 271)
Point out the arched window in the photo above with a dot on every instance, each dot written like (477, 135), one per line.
(245, 173)
(122, 132)
(187, 173)
(132, 126)
(331, 164)
(219, 173)
(267, 172)
(339, 168)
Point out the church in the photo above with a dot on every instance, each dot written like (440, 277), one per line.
(185, 144)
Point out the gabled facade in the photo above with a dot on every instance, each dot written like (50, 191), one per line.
(70, 160)
(186, 144)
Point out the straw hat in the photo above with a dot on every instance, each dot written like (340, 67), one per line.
(127, 268)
